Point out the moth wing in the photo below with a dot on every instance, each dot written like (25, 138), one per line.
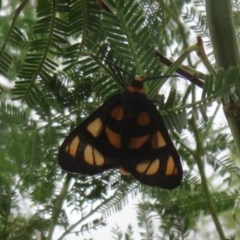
(87, 149)
(156, 161)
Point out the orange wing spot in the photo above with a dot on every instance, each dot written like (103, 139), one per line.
(92, 156)
(143, 119)
(72, 147)
(170, 170)
(137, 142)
(153, 167)
(158, 140)
(117, 113)
(95, 127)
(124, 172)
(113, 138)
(142, 167)
(148, 167)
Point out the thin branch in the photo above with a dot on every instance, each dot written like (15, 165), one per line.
(15, 17)
(70, 228)
(191, 77)
(209, 200)
(202, 54)
(58, 205)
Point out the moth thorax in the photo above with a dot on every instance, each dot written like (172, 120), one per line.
(136, 86)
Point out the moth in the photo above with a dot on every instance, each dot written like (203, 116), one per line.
(126, 133)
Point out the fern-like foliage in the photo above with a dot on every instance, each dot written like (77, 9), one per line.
(66, 57)
(40, 60)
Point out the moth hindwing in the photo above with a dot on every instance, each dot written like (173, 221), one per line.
(126, 132)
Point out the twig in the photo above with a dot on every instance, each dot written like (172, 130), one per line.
(191, 77)
(209, 200)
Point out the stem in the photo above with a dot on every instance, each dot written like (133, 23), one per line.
(70, 228)
(173, 68)
(15, 17)
(226, 51)
(202, 54)
(193, 78)
(223, 36)
(57, 207)
(200, 164)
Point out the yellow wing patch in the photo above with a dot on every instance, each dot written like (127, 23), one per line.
(124, 172)
(170, 170)
(72, 147)
(113, 138)
(95, 127)
(148, 167)
(92, 156)
(158, 140)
